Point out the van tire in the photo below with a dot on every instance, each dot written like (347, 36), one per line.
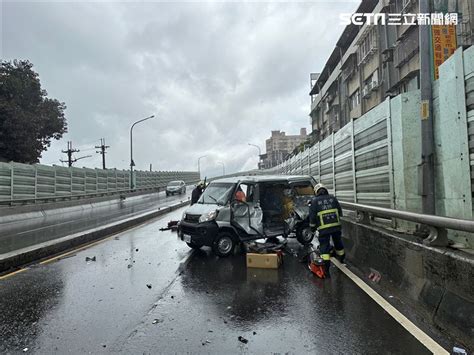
(304, 234)
(223, 244)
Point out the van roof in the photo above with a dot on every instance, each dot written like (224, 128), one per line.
(265, 178)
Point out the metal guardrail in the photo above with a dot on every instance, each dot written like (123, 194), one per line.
(79, 197)
(437, 225)
(24, 182)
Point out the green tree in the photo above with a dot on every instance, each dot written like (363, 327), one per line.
(29, 120)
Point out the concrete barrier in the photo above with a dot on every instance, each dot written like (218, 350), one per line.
(33, 253)
(440, 280)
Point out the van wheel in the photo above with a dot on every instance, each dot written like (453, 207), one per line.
(304, 235)
(224, 244)
(193, 245)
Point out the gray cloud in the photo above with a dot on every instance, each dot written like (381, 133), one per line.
(217, 75)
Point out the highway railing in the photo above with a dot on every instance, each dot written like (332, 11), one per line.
(32, 183)
(437, 225)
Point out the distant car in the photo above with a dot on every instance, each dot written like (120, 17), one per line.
(176, 187)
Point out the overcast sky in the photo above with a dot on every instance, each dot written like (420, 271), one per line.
(217, 75)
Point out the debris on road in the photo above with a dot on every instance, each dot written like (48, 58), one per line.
(243, 340)
(374, 276)
(264, 261)
(25, 350)
(136, 249)
(254, 333)
(91, 259)
(129, 266)
(172, 226)
(458, 350)
(148, 285)
(155, 321)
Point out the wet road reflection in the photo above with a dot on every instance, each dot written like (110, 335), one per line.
(24, 233)
(78, 306)
(287, 310)
(197, 303)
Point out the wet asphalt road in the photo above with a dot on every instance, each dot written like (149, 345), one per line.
(31, 231)
(74, 306)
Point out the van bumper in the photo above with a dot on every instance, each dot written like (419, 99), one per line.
(200, 233)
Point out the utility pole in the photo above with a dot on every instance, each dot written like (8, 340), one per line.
(102, 148)
(426, 168)
(69, 152)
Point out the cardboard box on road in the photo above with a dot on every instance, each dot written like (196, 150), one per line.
(264, 261)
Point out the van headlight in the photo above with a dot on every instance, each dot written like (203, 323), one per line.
(208, 216)
(183, 217)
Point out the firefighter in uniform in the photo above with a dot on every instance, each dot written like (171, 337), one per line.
(325, 213)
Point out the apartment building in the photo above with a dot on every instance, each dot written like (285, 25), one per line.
(373, 61)
(279, 146)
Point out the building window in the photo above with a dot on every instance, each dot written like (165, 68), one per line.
(410, 85)
(367, 46)
(354, 100)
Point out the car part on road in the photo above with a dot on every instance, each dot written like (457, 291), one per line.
(266, 247)
(242, 339)
(172, 226)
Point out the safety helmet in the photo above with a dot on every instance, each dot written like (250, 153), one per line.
(319, 187)
(201, 184)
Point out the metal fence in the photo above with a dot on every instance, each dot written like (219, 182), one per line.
(354, 163)
(470, 120)
(28, 182)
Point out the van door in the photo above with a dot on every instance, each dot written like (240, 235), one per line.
(303, 193)
(245, 210)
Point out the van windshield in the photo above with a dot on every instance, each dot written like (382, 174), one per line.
(217, 193)
(174, 183)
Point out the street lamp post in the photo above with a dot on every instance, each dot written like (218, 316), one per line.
(132, 163)
(199, 164)
(259, 153)
(223, 167)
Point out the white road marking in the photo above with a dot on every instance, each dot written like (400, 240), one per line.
(420, 335)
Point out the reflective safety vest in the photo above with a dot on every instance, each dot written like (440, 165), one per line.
(325, 214)
(328, 218)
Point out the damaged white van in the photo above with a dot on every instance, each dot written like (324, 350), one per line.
(244, 208)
